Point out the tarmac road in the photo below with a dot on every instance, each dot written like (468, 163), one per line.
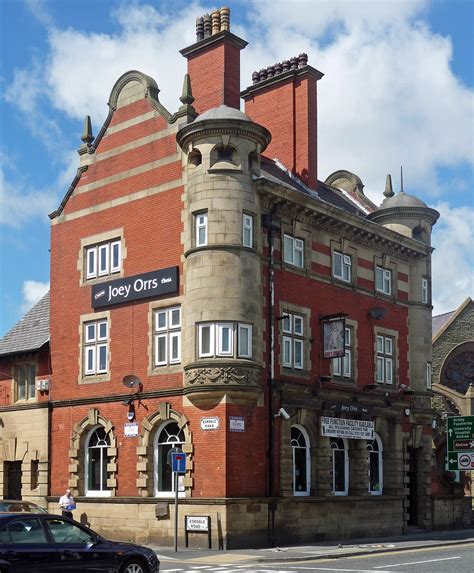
(457, 558)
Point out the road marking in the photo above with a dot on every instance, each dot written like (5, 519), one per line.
(417, 562)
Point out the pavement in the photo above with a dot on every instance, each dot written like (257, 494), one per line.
(328, 550)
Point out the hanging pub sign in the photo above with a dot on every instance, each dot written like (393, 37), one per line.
(333, 336)
(156, 283)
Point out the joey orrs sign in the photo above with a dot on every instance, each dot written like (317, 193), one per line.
(156, 283)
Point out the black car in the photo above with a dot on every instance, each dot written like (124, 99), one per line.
(42, 542)
(14, 506)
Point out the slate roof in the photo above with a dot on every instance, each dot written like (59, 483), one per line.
(274, 171)
(30, 333)
(439, 321)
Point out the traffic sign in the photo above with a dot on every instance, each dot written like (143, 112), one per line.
(460, 430)
(178, 462)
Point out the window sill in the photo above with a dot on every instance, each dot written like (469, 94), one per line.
(102, 279)
(94, 379)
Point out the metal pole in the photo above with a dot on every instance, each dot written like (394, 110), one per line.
(175, 511)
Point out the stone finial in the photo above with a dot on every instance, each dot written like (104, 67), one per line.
(187, 94)
(87, 136)
(207, 25)
(199, 28)
(216, 22)
(388, 187)
(225, 18)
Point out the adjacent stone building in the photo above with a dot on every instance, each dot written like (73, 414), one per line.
(453, 385)
(24, 409)
(209, 293)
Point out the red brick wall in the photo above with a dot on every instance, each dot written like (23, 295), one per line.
(215, 76)
(288, 110)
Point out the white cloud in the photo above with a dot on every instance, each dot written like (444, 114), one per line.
(32, 291)
(19, 202)
(453, 258)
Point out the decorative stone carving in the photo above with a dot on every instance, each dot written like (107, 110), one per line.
(228, 375)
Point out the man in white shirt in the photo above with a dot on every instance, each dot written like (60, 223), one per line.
(66, 503)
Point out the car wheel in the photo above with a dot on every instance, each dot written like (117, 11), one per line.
(134, 566)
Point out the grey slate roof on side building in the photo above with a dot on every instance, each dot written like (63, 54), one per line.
(439, 321)
(30, 333)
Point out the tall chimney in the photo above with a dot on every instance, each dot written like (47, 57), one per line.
(283, 99)
(214, 62)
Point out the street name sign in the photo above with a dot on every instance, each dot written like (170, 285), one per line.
(460, 430)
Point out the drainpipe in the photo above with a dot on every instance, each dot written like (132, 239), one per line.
(272, 226)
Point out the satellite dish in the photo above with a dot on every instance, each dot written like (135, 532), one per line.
(131, 381)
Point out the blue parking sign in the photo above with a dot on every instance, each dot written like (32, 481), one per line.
(178, 462)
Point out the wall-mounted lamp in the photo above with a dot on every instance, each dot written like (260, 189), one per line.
(377, 313)
(283, 413)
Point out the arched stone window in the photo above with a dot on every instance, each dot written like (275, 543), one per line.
(93, 451)
(340, 466)
(96, 459)
(375, 465)
(168, 436)
(161, 431)
(301, 461)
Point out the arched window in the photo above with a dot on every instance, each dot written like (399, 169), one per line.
(96, 446)
(301, 461)
(167, 437)
(375, 465)
(340, 466)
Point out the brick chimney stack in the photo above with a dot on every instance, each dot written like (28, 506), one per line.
(283, 99)
(214, 62)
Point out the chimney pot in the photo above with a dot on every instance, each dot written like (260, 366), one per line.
(199, 28)
(294, 63)
(262, 74)
(285, 65)
(207, 25)
(225, 18)
(216, 22)
(255, 78)
(270, 72)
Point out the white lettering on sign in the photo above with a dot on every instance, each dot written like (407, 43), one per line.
(195, 523)
(209, 423)
(345, 428)
(139, 285)
(236, 424)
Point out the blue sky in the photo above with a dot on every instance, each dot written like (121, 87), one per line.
(398, 90)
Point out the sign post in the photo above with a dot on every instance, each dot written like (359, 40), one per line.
(178, 466)
(460, 436)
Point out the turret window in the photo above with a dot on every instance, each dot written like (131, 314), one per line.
(224, 339)
(425, 290)
(247, 230)
(200, 224)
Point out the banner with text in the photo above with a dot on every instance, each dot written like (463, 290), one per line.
(344, 428)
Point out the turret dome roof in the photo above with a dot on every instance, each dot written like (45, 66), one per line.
(223, 112)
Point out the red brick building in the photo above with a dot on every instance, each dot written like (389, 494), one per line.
(209, 293)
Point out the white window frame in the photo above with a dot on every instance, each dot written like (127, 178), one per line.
(95, 492)
(346, 467)
(379, 453)
(383, 280)
(429, 375)
(292, 339)
(168, 332)
(216, 348)
(342, 367)
(95, 267)
(174, 443)
(247, 230)
(345, 263)
(384, 370)
(293, 249)
(200, 222)
(425, 290)
(247, 328)
(93, 345)
(307, 449)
